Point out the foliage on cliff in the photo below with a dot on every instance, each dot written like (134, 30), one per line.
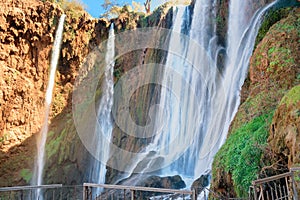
(274, 70)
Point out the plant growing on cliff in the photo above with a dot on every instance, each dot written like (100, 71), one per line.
(73, 7)
(241, 155)
(271, 18)
(26, 174)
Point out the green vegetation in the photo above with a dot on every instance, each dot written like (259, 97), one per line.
(114, 9)
(271, 18)
(75, 7)
(292, 97)
(52, 147)
(280, 56)
(241, 154)
(54, 21)
(26, 174)
(3, 138)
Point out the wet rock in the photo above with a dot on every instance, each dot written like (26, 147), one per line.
(170, 182)
(200, 183)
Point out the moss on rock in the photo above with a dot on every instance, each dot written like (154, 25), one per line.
(292, 97)
(240, 156)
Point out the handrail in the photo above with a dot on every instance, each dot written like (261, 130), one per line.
(30, 187)
(294, 169)
(136, 188)
(272, 178)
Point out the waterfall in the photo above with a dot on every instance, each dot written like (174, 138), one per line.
(104, 126)
(190, 116)
(42, 137)
(198, 101)
(240, 45)
(224, 98)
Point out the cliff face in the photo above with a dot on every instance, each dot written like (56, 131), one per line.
(26, 39)
(27, 35)
(264, 135)
(25, 52)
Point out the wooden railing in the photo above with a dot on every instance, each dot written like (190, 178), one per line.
(26, 192)
(132, 192)
(282, 186)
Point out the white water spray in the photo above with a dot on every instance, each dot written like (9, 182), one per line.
(42, 137)
(104, 126)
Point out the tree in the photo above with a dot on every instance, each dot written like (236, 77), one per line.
(137, 7)
(111, 8)
(147, 5)
(108, 4)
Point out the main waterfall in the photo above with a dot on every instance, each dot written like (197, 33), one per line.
(103, 130)
(198, 107)
(42, 137)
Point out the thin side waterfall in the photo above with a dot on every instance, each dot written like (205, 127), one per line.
(42, 137)
(104, 127)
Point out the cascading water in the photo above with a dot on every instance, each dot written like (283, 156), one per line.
(239, 52)
(189, 118)
(200, 107)
(104, 127)
(42, 137)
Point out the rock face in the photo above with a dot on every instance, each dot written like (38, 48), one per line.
(201, 183)
(27, 34)
(170, 182)
(264, 135)
(284, 136)
(25, 50)
(26, 40)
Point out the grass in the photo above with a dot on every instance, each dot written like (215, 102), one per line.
(241, 154)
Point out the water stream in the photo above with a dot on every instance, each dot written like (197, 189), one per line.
(42, 136)
(103, 131)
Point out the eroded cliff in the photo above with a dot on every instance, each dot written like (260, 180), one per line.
(27, 35)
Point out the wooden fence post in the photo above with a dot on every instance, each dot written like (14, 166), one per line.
(295, 194)
(85, 192)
